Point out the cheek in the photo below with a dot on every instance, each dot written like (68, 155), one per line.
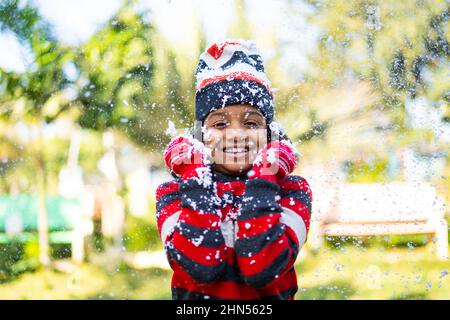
(212, 138)
(259, 139)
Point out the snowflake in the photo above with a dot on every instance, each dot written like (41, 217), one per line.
(197, 241)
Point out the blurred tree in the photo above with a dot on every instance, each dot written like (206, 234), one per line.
(130, 80)
(37, 95)
(373, 59)
(401, 47)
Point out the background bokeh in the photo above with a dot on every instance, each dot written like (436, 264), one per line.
(88, 90)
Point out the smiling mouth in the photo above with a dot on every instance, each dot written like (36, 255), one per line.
(236, 150)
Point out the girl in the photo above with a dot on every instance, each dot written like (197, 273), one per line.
(233, 220)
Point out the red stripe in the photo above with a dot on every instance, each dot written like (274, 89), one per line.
(232, 290)
(216, 51)
(263, 258)
(167, 211)
(255, 226)
(226, 210)
(197, 254)
(162, 190)
(237, 187)
(238, 75)
(298, 207)
(291, 234)
(222, 289)
(288, 185)
(200, 220)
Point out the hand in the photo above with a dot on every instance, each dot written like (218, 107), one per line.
(184, 155)
(275, 161)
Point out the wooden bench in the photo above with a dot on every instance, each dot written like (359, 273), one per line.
(362, 209)
(66, 224)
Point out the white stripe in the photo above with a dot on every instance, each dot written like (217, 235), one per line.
(296, 223)
(238, 67)
(248, 47)
(169, 225)
(229, 232)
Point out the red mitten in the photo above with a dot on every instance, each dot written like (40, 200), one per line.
(275, 161)
(183, 157)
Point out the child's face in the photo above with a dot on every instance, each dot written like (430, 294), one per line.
(235, 134)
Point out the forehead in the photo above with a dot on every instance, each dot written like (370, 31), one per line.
(236, 110)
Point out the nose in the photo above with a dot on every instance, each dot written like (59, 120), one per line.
(235, 135)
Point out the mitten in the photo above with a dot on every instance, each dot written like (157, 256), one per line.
(274, 162)
(184, 156)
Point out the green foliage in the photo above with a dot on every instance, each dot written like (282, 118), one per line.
(91, 150)
(140, 235)
(39, 88)
(337, 290)
(399, 46)
(17, 258)
(375, 171)
(388, 241)
(117, 69)
(117, 64)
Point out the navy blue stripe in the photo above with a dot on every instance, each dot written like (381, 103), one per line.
(221, 177)
(299, 195)
(295, 178)
(284, 295)
(294, 247)
(223, 93)
(211, 238)
(259, 62)
(241, 57)
(202, 66)
(166, 200)
(199, 272)
(197, 197)
(183, 294)
(229, 198)
(254, 60)
(248, 247)
(233, 273)
(259, 199)
(266, 276)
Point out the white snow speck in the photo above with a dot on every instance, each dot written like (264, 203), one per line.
(171, 130)
(197, 241)
(271, 155)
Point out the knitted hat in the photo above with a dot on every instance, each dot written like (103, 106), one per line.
(232, 72)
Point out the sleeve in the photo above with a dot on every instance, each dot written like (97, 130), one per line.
(272, 227)
(189, 227)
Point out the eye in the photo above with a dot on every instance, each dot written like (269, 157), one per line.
(252, 123)
(220, 124)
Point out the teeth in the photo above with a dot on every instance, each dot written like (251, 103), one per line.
(233, 150)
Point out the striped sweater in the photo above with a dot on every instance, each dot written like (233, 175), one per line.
(237, 238)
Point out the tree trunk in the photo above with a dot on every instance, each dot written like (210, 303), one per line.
(44, 256)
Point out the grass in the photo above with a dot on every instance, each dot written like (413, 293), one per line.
(373, 273)
(90, 281)
(347, 272)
